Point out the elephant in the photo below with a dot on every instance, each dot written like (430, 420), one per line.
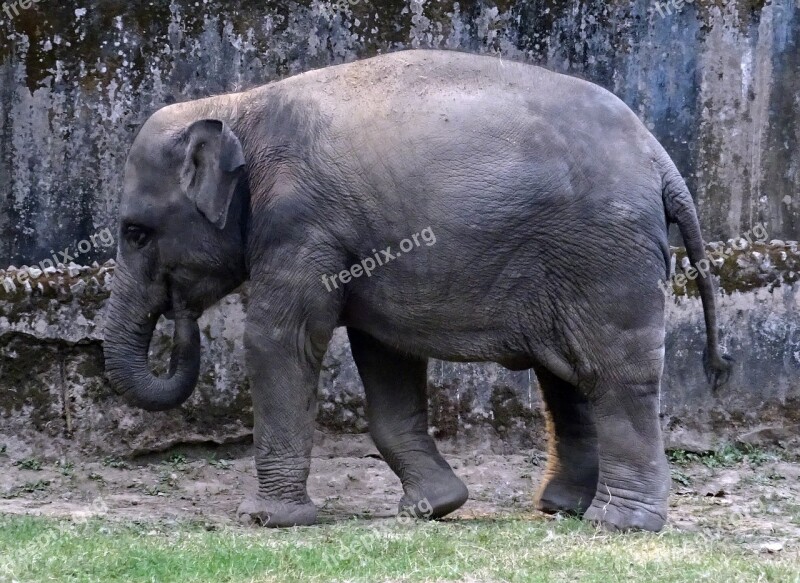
(532, 212)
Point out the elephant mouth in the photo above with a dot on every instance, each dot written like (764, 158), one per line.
(177, 308)
(181, 314)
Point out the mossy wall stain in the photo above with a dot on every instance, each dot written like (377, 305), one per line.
(750, 267)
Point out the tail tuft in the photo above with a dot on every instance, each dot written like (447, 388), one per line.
(717, 368)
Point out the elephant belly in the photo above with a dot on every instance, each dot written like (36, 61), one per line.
(457, 329)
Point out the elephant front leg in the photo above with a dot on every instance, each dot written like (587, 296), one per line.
(283, 362)
(397, 408)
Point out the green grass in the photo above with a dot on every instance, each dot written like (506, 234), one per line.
(33, 463)
(114, 462)
(726, 457)
(27, 488)
(509, 549)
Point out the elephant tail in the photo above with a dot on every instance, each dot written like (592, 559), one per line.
(679, 208)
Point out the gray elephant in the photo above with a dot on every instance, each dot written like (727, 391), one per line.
(531, 213)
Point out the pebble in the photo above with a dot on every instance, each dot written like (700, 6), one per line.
(78, 288)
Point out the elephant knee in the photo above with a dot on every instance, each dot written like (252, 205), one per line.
(304, 342)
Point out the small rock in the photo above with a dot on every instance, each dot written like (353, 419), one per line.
(732, 245)
(35, 272)
(769, 434)
(78, 288)
(772, 547)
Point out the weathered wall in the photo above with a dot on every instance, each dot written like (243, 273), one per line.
(55, 398)
(717, 81)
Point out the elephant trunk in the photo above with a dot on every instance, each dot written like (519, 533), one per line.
(128, 332)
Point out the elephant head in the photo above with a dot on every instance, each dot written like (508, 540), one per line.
(183, 218)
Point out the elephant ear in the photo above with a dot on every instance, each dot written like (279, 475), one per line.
(211, 169)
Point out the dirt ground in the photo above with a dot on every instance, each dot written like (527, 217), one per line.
(753, 500)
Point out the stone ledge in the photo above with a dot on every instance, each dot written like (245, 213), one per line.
(56, 398)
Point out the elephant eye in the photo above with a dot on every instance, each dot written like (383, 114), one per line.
(137, 235)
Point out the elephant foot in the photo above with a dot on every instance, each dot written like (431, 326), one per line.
(273, 513)
(621, 516)
(434, 497)
(567, 497)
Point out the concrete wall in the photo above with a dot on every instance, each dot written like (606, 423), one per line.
(717, 82)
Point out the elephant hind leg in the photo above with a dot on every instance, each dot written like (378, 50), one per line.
(397, 411)
(570, 479)
(633, 484)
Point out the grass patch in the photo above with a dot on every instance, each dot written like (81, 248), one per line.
(33, 463)
(513, 549)
(28, 488)
(66, 467)
(725, 457)
(177, 460)
(219, 464)
(116, 463)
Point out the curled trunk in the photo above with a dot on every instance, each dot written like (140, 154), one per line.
(129, 330)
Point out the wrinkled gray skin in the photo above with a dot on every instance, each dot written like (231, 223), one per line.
(549, 201)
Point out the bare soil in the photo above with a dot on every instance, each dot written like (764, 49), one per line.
(754, 503)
